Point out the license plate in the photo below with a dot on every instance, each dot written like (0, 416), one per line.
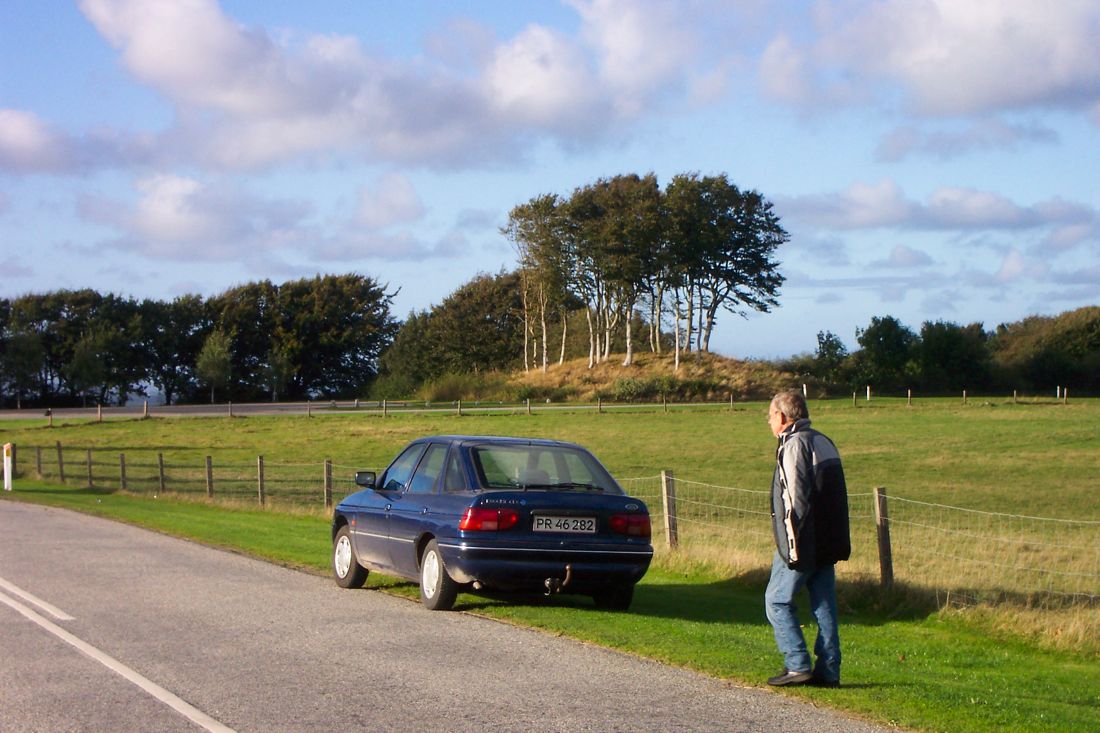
(578, 525)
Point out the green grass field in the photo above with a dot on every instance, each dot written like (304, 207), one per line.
(908, 659)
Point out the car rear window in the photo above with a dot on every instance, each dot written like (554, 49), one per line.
(541, 467)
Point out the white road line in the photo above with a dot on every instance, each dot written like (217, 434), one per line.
(54, 611)
(153, 689)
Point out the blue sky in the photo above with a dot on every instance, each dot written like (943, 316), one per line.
(931, 159)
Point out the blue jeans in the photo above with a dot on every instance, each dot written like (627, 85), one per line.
(783, 615)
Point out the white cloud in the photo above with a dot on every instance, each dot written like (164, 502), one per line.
(948, 57)
(392, 200)
(884, 205)
(181, 218)
(246, 99)
(541, 78)
(860, 206)
(986, 134)
(28, 144)
(904, 257)
(964, 208)
(643, 46)
(1015, 267)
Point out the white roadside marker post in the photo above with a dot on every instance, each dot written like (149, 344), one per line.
(7, 467)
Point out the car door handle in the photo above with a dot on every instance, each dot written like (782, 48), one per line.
(388, 507)
(424, 510)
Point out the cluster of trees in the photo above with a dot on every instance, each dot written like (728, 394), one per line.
(622, 245)
(477, 328)
(305, 338)
(1039, 353)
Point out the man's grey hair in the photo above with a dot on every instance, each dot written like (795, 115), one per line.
(792, 404)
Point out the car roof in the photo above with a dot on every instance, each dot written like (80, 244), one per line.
(494, 439)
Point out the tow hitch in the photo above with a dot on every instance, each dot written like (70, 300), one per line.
(555, 585)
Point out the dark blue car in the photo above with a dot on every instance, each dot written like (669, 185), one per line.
(457, 512)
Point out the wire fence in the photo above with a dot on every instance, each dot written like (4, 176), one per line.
(965, 554)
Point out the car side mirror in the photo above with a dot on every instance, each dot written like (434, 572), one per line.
(365, 479)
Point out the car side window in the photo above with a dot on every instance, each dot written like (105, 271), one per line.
(453, 479)
(423, 481)
(397, 475)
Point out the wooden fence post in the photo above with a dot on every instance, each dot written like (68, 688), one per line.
(38, 460)
(145, 411)
(599, 405)
(122, 471)
(668, 498)
(260, 480)
(328, 483)
(88, 459)
(882, 523)
(460, 408)
(309, 408)
(209, 478)
(385, 408)
(60, 463)
(99, 413)
(909, 398)
(964, 396)
(528, 405)
(160, 471)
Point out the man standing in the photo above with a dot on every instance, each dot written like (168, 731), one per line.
(810, 520)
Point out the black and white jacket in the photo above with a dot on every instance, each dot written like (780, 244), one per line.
(809, 499)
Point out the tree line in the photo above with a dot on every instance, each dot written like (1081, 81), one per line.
(1039, 353)
(313, 337)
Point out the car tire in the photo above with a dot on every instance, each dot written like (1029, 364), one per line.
(345, 568)
(615, 599)
(437, 590)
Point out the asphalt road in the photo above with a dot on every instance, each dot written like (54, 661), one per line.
(106, 627)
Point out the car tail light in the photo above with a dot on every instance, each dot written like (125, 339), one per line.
(477, 519)
(632, 525)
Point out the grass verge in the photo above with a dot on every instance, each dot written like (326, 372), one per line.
(905, 663)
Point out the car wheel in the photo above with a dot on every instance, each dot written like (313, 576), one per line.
(437, 590)
(345, 568)
(615, 599)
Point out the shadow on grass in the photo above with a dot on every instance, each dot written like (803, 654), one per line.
(67, 491)
(738, 600)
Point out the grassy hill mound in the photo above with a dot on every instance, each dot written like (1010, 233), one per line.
(700, 377)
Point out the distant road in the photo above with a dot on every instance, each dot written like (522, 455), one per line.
(325, 407)
(106, 627)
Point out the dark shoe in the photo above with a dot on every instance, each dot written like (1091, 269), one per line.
(822, 682)
(787, 677)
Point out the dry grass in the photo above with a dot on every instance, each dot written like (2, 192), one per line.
(699, 377)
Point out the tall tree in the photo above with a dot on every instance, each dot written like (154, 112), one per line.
(537, 231)
(24, 357)
(887, 351)
(829, 356)
(171, 336)
(215, 361)
(953, 356)
(334, 329)
(478, 327)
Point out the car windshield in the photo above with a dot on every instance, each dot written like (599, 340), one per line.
(552, 467)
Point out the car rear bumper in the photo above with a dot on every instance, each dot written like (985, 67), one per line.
(528, 566)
